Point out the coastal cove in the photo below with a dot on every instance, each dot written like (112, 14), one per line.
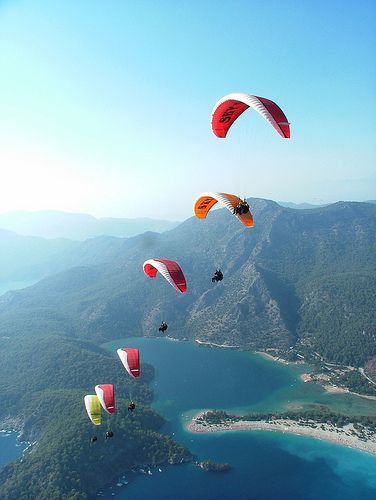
(10, 448)
(190, 378)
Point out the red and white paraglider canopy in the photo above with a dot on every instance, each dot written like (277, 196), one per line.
(106, 396)
(131, 360)
(231, 106)
(169, 270)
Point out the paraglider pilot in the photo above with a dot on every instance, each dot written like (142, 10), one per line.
(93, 439)
(163, 327)
(109, 434)
(131, 406)
(241, 208)
(218, 276)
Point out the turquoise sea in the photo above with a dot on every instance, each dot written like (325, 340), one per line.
(10, 448)
(265, 465)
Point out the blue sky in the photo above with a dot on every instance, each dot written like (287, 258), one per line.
(105, 105)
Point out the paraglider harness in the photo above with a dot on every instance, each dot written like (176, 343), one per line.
(218, 276)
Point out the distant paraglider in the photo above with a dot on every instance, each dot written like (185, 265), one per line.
(228, 109)
(131, 361)
(131, 406)
(206, 201)
(218, 276)
(163, 327)
(106, 396)
(169, 269)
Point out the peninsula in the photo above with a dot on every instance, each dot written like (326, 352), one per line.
(354, 432)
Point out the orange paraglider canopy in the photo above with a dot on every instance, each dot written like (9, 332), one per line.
(207, 200)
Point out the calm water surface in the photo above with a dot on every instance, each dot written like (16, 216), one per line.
(264, 465)
(10, 448)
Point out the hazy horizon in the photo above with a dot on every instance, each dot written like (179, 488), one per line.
(172, 219)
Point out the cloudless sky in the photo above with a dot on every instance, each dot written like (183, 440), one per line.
(105, 105)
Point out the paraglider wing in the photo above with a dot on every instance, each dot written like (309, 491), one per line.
(231, 106)
(169, 270)
(106, 396)
(207, 200)
(131, 360)
(93, 408)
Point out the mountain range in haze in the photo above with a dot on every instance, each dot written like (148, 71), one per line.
(304, 206)
(76, 226)
(56, 224)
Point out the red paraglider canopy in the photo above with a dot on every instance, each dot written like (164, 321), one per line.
(230, 107)
(169, 269)
(106, 396)
(131, 360)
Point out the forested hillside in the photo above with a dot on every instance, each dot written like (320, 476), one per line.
(298, 275)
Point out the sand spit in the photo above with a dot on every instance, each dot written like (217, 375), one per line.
(344, 436)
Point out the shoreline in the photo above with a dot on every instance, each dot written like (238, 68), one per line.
(331, 388)
(306, 377)
(211, 344)
(334, 389)
(276, 359)
(345, 436)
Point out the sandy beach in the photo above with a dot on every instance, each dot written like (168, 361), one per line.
(345, 436)
(271, 357)
(211, 344)
(333, 389)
